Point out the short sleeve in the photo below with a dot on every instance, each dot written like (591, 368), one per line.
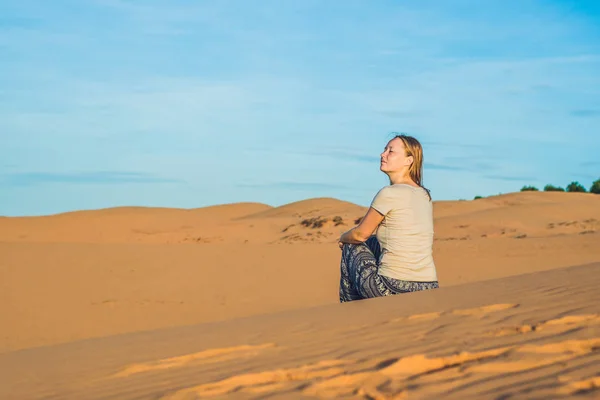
(383, 201)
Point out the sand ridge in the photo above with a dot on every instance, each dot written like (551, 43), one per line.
(381, 348)
(320, 220)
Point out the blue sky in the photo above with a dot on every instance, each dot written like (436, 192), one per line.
(193, 103)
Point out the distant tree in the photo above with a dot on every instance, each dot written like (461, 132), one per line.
(595, 188)
(575, 187)
(552, 188)
(477, 198)
(529, 189)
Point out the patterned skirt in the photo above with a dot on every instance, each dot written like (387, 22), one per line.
(360, 277)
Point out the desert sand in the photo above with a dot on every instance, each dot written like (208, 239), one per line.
(240, 301)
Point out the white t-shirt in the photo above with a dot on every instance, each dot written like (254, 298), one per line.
(406, 233)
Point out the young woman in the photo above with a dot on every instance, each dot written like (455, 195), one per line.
(399, 258)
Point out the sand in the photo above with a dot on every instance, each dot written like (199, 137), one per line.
(240, 301)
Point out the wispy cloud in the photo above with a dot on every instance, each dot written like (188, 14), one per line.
(586, 113)
(154, 18)
(190, 89)
(325, 153)
(586, 164)
(401, 114)
(301, 186)
(91, 178)
(525, 179)
(443, 167)
(585, 178)
(363, 158)
(456, 144)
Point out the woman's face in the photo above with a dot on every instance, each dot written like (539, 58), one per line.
(394, 157)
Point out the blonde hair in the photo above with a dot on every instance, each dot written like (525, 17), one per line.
(413, 148)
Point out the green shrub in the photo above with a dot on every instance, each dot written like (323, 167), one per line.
(575, 187)
(477, 198)
(529, 189)
(552, 188)
(595, 188)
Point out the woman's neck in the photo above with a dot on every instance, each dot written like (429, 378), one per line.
(401, 179)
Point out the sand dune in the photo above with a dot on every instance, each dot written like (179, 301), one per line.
(89, 275)
(94, 273)
(534, 336)
(515, 215)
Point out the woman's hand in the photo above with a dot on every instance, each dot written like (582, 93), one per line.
(341, 245)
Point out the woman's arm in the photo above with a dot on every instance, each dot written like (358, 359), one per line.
(364, 229)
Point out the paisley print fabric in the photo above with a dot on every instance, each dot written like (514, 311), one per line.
(360, 278)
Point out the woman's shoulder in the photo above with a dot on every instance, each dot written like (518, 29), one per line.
(402, 190)
(386, 191)
(391, 193)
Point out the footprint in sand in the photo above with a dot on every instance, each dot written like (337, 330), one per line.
(265, 381)
(551, 326)
(471, 312)
(580, 386)
(395, 378)
(364, 384)
(334, 378)
(424, 317)
(204, 357)
(537, 356)
(481, 311)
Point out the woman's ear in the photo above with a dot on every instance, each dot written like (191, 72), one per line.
(409, 160)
